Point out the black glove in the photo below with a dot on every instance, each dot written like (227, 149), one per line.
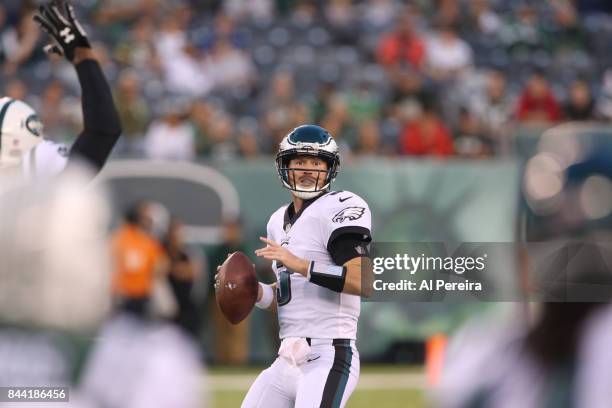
(65, 31)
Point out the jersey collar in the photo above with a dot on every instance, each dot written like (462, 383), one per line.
(291, 216)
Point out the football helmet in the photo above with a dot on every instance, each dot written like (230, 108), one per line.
(308, 140)
(567, 184)
(55, 271)
(20, 130)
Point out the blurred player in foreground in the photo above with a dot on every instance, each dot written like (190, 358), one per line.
(319, 245)
(55, 292)
(54, 278)
(560, 356)
(22, 145)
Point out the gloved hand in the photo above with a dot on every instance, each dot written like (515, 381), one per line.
(65, 31)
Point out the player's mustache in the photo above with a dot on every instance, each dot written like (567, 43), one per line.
(307, 178)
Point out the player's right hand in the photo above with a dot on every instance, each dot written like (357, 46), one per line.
(216, 278)
(65, 31)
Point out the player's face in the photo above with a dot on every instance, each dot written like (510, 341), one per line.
(309, 172)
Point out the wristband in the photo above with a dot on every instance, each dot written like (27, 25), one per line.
(267, 296)
(329, 276)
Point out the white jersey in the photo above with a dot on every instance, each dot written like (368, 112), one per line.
(45, 160)
(306, 309)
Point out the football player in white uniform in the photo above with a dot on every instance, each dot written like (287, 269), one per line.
(319, 247)
(22, 146)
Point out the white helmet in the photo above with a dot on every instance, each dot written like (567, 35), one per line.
(308, 140)
(56, 270)
(20, 130)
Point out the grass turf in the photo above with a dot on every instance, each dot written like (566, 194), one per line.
(389, 398)
(359, 399)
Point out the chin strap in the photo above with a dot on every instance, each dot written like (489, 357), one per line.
(308, 195)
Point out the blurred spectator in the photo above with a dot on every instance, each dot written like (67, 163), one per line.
(231, 341)
(470, 138)
(172, 137)
(258, 10)
(537, 104)
(229, 67)
(16, 89)
(183, 271)
(138, 50)
(303, 13)
(604, 102)
(426, 135)
(248, 144)
(580, 105)
(363, 102)
(202, 117)
(341, 16)
(447, 12)
(223, 146)
(402, 53)
(118, 11)
(180, 59)
(338, 122)
(587, 7)
(139, 258)
(7, 36)
(521, 34)
(323, 96)
(225, 29)
(18, 38)
(280, 105)
(133, 111)
(378, 14)
(483, 17)
(566, 36)
(60, 113)
(493, 106)
(448, 56)
(369, 144)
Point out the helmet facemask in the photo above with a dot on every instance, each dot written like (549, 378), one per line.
(290, 181)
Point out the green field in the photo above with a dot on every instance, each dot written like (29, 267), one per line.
(379, 386)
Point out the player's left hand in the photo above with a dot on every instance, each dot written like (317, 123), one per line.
(65, 31)
(277, 252)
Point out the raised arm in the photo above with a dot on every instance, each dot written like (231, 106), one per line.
(102, 127)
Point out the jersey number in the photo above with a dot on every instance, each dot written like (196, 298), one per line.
(283, 292)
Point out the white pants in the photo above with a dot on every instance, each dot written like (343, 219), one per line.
(327, 379)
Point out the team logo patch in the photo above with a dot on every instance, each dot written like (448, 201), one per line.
(63, 151)
(34, 125)
(349, 213)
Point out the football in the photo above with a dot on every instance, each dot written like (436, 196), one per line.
(237, 287)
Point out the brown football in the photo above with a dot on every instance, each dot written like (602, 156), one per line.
(236, 292)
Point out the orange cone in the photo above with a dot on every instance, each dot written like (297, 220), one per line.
(434, 357)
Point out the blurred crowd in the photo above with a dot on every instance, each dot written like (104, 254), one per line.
(226, 79)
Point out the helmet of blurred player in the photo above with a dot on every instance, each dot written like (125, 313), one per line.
(309, 140)
(20, 130)
(55, 271)
(567, 184)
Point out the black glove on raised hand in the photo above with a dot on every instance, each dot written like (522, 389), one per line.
(65, 31)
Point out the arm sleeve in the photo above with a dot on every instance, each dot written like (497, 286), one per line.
(347, 227)
(349, 245)
(102, 127)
